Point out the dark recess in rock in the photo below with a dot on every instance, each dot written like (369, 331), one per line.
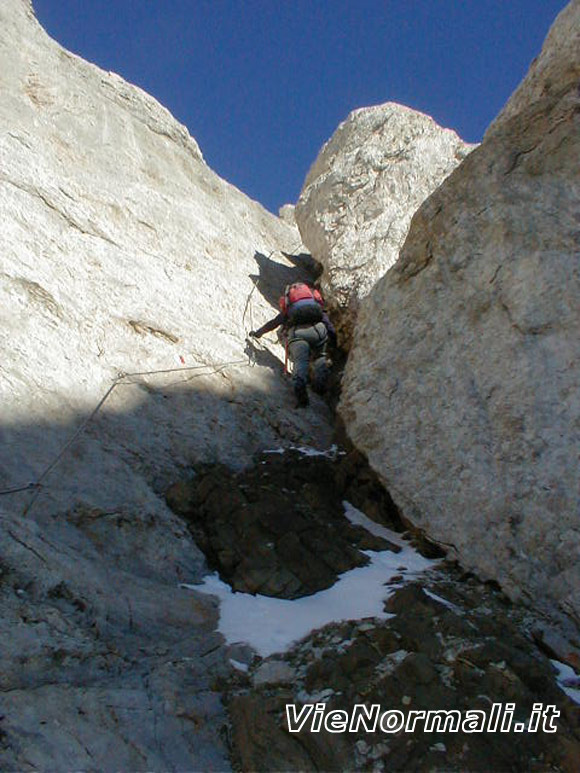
(278, 528)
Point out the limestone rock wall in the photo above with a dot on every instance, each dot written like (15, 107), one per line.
(360, 194)
(122, 252)
(463, 385)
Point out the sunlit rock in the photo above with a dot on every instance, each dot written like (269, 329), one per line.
(463, 384)
(359, 196)
(122, 253)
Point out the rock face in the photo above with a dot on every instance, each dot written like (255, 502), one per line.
(359, 196)
(286, 213)
(278, 528)
(463, 386)
(450, 648)
(122, 252)
(124, 258)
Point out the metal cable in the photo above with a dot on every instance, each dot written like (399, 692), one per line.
(118, 380)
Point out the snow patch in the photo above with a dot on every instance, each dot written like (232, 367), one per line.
(445, 602)
(358, 518)
(568, 680)
(271, 625)
(331, 453)
(239, 666)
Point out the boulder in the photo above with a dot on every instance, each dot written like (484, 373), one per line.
(463, 384)
(360, 194)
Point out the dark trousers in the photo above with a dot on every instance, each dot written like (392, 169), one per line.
(306, 344)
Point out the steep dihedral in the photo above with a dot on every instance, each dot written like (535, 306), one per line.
(122, 253)
(463, 384)
(359, 197)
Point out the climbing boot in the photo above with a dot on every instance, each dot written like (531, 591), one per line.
(301, 393)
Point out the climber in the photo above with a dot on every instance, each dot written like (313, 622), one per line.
(306, 330)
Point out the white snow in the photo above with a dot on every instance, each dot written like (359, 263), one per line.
(272, 625)
(358, 518)
(331, 453)
(568, 680)
(239, 666)
(445, 602)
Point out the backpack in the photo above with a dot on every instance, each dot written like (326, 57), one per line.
(301, 304)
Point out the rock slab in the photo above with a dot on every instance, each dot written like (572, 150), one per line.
(122, 253)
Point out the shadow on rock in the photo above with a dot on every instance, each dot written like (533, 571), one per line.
(279, 528)
(260, 355)
(273, 277)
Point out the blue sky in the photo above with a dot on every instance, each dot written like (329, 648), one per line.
(262, 84)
